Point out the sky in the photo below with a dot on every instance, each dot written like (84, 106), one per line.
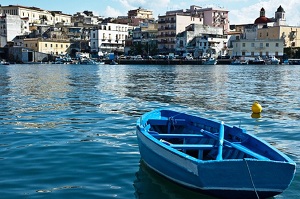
(240, 11)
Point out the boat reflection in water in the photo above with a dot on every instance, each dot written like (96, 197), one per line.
(150, 185)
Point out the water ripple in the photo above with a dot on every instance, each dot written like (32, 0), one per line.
(69, 131)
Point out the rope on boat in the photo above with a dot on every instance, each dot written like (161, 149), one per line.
(251, 179)
(172, 121)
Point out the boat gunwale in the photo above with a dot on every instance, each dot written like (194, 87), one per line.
(145, 117)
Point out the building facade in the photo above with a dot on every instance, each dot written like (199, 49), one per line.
(201, 41)
(174, 22)
(85, 17)
(255, 47)
(47, 46)
(108, 37)
(36, 15)
(140, 13)
(10, 27)
(289, 34)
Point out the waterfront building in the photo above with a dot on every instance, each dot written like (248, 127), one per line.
(289, 34)
(47, 46)
(10, 27)
(174, 22)
(255, 47)
(144, 40)
(202, 40)
(265, 36)
(108, 37)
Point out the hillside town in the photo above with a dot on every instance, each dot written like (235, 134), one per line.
(31, 34)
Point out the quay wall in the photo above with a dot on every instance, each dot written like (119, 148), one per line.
(167, 62)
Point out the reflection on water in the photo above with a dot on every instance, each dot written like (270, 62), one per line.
(149, 185)
(231, 88)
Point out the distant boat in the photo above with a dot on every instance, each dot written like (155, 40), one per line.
(3, 62)
(210, 61)
(89, 62)
(257, 61)
(272, 61)
(211, 157)
(113, 62)
(239, 62)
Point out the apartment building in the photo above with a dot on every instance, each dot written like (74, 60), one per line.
(289, 34)
(174, 22)
(36, 15)
(202, 40)
(49, 46)
(108, 37)
(254, 47)
(10, 27)
(140, 13)
(85, 17)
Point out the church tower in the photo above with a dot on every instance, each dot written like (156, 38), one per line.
(280, 17)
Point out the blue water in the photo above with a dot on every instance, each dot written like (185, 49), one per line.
(68, 131)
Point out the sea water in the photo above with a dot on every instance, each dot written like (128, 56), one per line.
(68, 131)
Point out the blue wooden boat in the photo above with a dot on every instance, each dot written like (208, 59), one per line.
(212, 157)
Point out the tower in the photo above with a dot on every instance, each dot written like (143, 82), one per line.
(280, 16)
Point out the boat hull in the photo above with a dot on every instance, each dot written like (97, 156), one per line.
(237, 178)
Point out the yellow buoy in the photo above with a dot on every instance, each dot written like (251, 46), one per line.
(256, 107)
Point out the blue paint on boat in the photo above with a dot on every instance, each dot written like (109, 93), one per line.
(212, 157)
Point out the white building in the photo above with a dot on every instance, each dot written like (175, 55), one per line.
(254, 48)
(202, 40)
(108, 37)
(174, 22)
(36, 15)
(10, 27)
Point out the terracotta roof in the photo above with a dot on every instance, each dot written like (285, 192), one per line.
(262, 20)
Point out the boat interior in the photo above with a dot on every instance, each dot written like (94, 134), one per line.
(200, 139)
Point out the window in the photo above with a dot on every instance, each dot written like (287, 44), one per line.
(252, 45)
(252, 54)
(267, 44)
(277, 45)
(244, 45)
(94, 35)
(46, 45)
(261, 45)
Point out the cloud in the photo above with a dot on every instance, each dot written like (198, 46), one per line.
(112, 12)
